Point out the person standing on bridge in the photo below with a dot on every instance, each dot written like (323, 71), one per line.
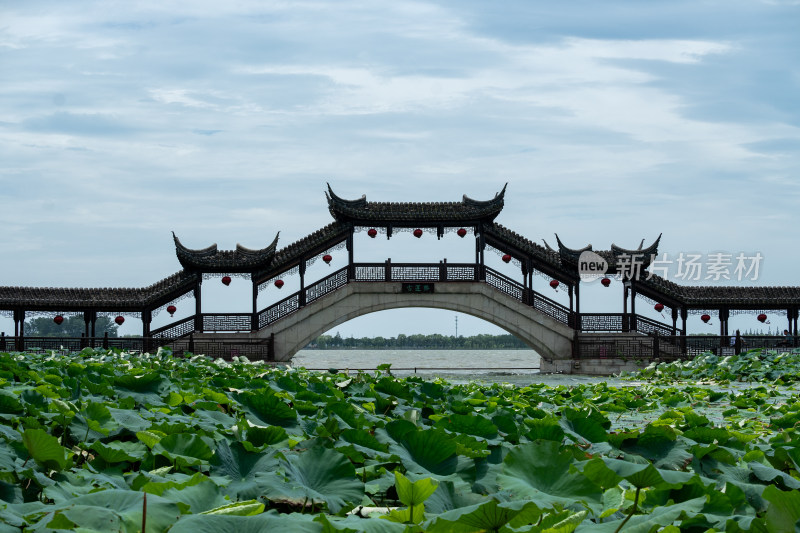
(788, 339)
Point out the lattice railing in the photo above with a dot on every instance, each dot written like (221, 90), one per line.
(551, 308)
(602, 322)
(175, 330)
(326, 285)
(279, 310)
(406, 272)
(228, 322)
(461, 272)
(614, 346)
(504, 284)
(646, 325)
(370, 272)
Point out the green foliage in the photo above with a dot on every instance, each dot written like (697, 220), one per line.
(239, 446)
(752, 366)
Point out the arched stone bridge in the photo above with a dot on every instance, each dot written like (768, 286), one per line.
(562, 334)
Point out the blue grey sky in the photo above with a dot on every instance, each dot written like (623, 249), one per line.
(611, 121)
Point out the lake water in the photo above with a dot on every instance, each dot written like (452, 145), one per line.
(520, 367)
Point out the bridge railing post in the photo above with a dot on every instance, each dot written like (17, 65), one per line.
(656, 347)
(271, 347)
(443, 270)
(387, 270)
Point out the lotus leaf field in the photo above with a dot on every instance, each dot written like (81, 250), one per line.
(109, 441)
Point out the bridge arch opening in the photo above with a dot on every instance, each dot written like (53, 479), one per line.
(418, 338)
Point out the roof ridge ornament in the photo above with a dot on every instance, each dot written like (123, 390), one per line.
(647, 252)
(570, 256)
(208, 250)
(270, 248)
(334, 199)
(498, 198)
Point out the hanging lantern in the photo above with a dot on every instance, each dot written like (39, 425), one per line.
(279, 283)
(327, 258)
(605, 282)
(554, 283)
(659, 307)
(417, 233)
(762, 318)
(119, 320)
(58, 319)
(372, 232)
(506, 258)
(705, 318)
(462, 233)
(171, 309)
(226, 280)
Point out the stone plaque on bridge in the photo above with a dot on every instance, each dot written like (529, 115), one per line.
(422, 288)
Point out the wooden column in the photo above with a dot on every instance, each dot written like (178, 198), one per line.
(569, 293)
(684, 317)
(351, 269)
(625, 321)
(674, 320)
(254, 319)
(198, 306)
(481, 253)
(19, 329)
(147, 318)
(796, 313)
(302, 270)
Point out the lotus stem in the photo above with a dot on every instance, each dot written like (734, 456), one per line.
(633, 510)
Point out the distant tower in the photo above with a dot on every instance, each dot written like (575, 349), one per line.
(456, 326)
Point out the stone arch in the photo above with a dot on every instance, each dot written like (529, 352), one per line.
(549, 338)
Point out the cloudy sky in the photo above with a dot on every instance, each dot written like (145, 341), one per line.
(611, 121)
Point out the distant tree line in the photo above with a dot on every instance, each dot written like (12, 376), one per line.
(72, 326)
(418, 342)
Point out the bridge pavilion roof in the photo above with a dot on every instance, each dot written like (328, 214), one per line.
(717, 296)
(211, 259)
(467, 212)
(111, 299)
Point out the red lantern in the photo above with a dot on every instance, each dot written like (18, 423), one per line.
(417, 233)
(58, 319)
(226, 280)
(659, 307)
(705, 318)
(372, 232)
(762, 318)
(327, 258)
(119, 320)
(554, 283)
(462, 233)
(506, 258)
(279, 283)
(605, 282)
(171, 309)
